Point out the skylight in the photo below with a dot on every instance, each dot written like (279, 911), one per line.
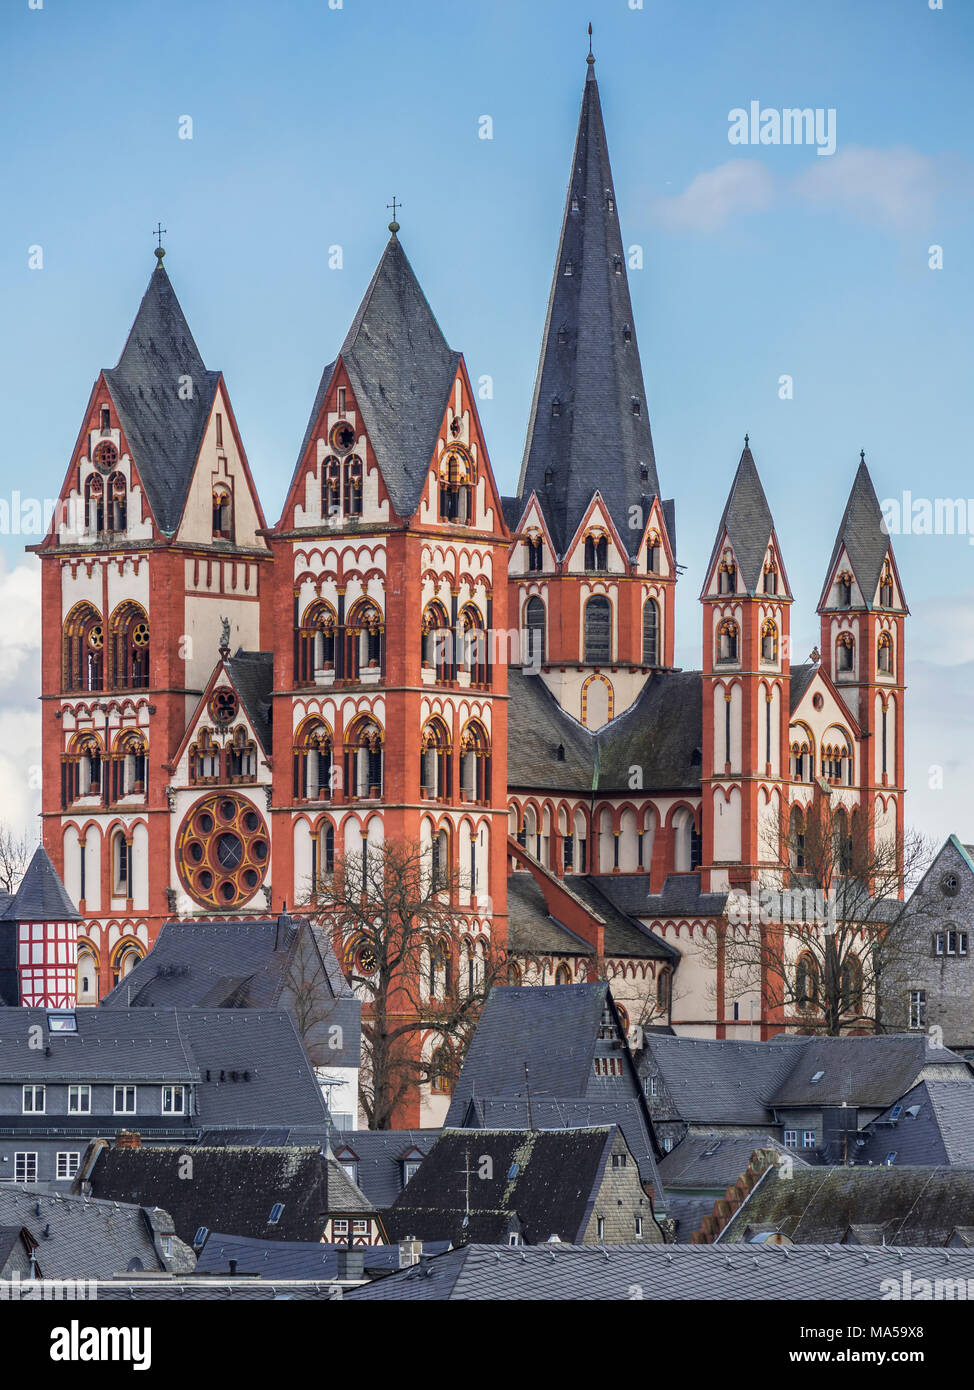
(817, 1077)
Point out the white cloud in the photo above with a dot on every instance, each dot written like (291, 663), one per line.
(941, 630)
(739, 186)
(20, 684)
(895, 188)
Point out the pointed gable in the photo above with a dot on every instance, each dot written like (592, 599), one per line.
(163, 417)
(863, 536)
(401, 371)
(589, 425)
(746, 525)
(42, 897)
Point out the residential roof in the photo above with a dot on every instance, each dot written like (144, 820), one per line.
(720, 1081)
(914, 1206)
(748, 523)
(666, 1272)
(933, 1124)
(41, 897)
(544, 1181)
(589, 360)
(379, 1155)
(163, 424)
(862, 1071)
(232, 1189)
(81, 1238)
(712, 1162)
(863, 533)
(401, 371)
(295, 1259)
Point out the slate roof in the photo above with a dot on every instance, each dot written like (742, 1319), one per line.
(748, 523)
(720, 1082)
(531, 928)
(252, 674)
(861, 1071)
(682, 896)
(204, 1047)
(914, 1206)
(667, 1272)
(661, 734)
(593, 372)
(196, 1290)
(232, 1189)
(712, 1162)
(862, 532)
(90, 1239)
(401, 371)
(41, 897)
(295, 1259)
(801, 678)
(942, 1130)
(379, 1153)
(546, 1181)
(164, 431)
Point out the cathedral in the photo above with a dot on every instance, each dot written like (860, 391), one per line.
(405, 653)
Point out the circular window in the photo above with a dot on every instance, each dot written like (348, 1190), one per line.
(817, 700)
(105, 457)
(222, 851)
(223, 705)
(950, 885)
(343, 436)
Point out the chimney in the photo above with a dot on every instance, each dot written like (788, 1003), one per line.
(351, 1262)
(410, 1250)
(128, 1139)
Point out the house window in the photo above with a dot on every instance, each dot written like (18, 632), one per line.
(791, 1138)
(124, 1100)
(619, 1161)
(79, 1100)
(339, 1229)
(350, 1167)
(67, 1164)
(25, 1167)
(360, 1226)
(918, 1008)
(600, 1227)
(410, 1168)
(666, 1145)
(34, 1100)
(106, 418)
(200, 1237)
(808, 1138)
(174, 1100)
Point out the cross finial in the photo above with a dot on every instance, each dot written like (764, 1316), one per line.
(591, 55)
(747, 440)
(394, 225)
(862, 456)
(158, 233)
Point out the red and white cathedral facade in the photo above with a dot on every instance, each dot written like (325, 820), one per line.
(226, 703)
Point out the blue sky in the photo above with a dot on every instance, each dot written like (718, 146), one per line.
(758, 261)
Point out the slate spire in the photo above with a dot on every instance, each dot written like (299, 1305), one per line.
(863, 535)
(747, 522)
(41, 897)
(589, 426)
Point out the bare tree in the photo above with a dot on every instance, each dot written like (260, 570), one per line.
(822, 948)
(15, 852)
(397, 921)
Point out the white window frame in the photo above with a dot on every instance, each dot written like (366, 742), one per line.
(64, 1161)
(809, 1138)
(791, 1138)
(34, 1109)
(123, 1109)
(918, 1008)
(169, 1097)
(79, 1099)
(29, 1158)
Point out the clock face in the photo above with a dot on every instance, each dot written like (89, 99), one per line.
(343, 436)
(222, 851)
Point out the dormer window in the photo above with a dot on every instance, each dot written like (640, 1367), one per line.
(569, 268)
(626, 333)
(556, 406)
(574, 204)
(549, 477)
(618, 265)
(562, 336)
(609, 200)
(636, 408)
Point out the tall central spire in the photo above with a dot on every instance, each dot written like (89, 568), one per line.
(589, 427)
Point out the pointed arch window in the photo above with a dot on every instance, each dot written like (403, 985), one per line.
(884, 654)
(129, 633)
(652, 553)
(353, 485)
(769, 641)
(363, 758)
(436, 638)
(663, 981)
(886, 587)
(363, 637)
(121, 864)
(845, 652)
(473, 644)
(440, 861)
(474, 762)
(770, 577)
(796, 848)
(535, 623)
(728, 640)
(807, 981)
(598, 630)
(843, 586)
(116, 499)
(456, 474)
(535, 553)
(850, 984)
(95, 504)
(650, 633)
(83, 649)
(313, 761)
(441, 1069)
(316, 642)
(331, 486)
(436, 772)
(222, 513)
(596, 551)
(727, 575)
(563, 975)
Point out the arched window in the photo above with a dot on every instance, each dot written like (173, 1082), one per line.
(83, 649)
(474, 762)
(456, 474)
(312, 761)
(807, 981)
(770, 577)
(802, 755)
(534, 632)
(436, 638)
(598, 630)
(436, 771)
(353, 485)
(363, 758)
(727, 575)
(535, 553)
(222, 513)
(82, 769)
(322, 856)
(685, 841)
(850, 983)
(440, 976)
(121, 865)
(843, 584)
(316, 642)
(845, 652)
(129, 633)
(886, 587)
(440, 860)
(117, 502)
(205, 759)
(441, 1072)
(843, 842)
(95, 504)
(331, 486)
(87, 974)
(514, 975)
(796, 848)
(128, 766)
(241, 757)
(127, 956)
(596, 551)
(663, 989)
(650, 633)
(563, 976)
(363, 639)
(652, 552)
(769, 640)
(727, 640)
(836, 760)
(884, 653)
(473, 648)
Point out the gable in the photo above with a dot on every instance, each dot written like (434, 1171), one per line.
(597, 523)
(460, 448)
(221, 463)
